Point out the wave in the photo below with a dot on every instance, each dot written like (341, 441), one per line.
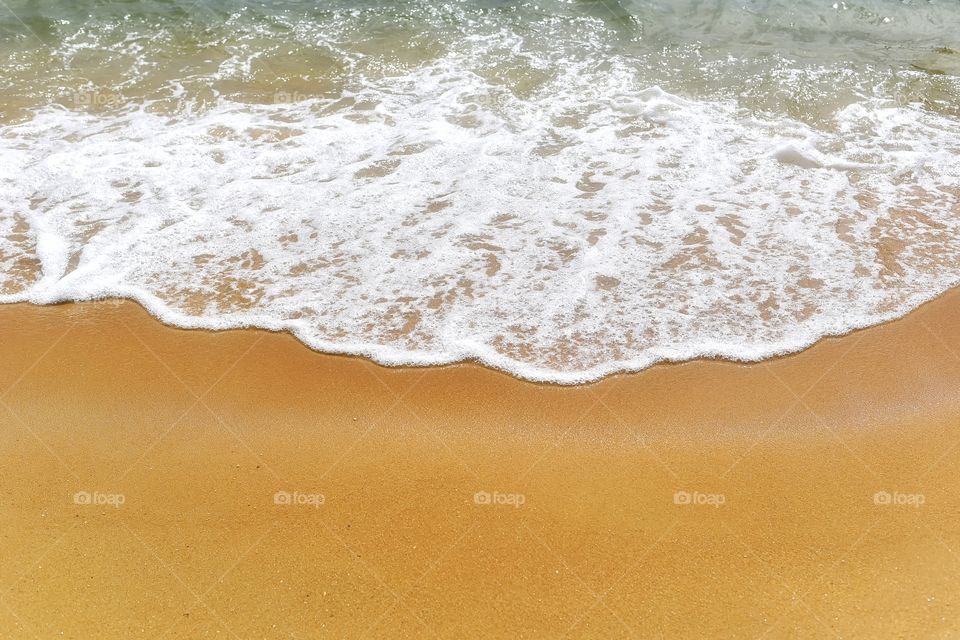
(597, 225)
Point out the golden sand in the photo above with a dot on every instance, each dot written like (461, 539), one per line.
(583, 536)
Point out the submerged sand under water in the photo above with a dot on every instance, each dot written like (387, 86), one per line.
(562, 190)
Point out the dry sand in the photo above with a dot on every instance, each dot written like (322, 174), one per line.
(197, 432)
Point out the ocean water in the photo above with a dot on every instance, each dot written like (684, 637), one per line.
(562, 189)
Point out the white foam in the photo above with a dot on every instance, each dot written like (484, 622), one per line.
(598, 226)
(806, 156)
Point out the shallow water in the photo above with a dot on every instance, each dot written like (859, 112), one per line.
(559, 189)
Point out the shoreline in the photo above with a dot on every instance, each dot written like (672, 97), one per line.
(495, 362)
(700, 499)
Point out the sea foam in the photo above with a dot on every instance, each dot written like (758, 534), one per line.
(430, 217)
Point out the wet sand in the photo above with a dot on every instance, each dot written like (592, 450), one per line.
(140, 467)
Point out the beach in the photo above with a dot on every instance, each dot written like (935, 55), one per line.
(160, 482)
(479, 319)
